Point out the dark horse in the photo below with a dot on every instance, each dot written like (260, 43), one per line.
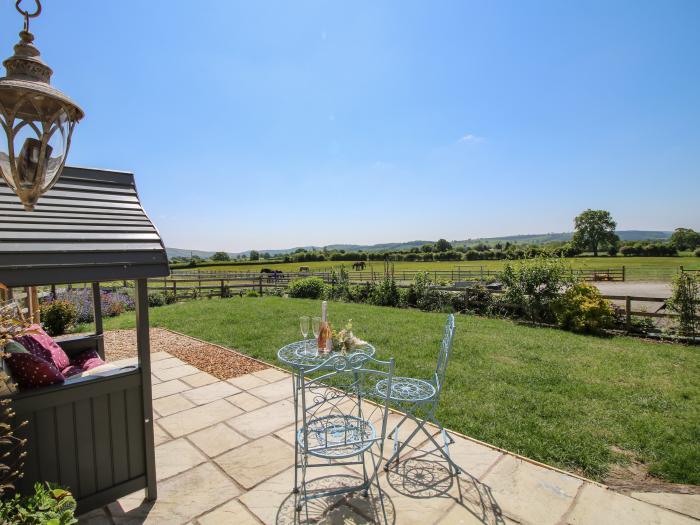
(359, 265)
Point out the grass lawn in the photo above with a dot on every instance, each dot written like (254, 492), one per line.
(637, 268)
(553, 396)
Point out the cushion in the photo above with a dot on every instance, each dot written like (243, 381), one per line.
(87, 360)
(30, 371)
(71, 370)
(40, 344)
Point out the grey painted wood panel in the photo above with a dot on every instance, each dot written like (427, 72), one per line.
(85, 447)
(66, 448)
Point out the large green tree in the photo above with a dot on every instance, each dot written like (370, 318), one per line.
(220, 256)
(254, 255)
(443, 245)
(685, 239)
(594, 229)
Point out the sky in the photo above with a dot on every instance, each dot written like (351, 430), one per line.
(264, 125)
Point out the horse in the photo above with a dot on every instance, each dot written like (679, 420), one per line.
(358, 266)
(304, 269)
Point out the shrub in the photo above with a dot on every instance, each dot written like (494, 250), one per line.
(170, 298)
(582, 309)
(49, 504)
(685, 301)
(532, 286)
(57, 316)
(156, 299)
(276, 292)
(307, 288)
(697, 252)
(386, 293)
(478, 300)
(251, 293)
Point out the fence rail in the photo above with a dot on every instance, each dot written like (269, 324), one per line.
(476, 273)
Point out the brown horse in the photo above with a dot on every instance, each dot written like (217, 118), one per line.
(358, 266)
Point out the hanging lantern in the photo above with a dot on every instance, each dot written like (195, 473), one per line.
(38, 120)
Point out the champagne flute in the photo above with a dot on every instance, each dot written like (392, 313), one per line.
(316, 327)
(304, 326)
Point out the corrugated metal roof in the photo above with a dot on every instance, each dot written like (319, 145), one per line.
(89, 227)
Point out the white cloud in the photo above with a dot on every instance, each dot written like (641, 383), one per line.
(470, 138)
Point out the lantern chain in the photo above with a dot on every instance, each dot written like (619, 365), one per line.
(26, 14)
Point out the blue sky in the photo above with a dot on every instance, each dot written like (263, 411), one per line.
(278, 124)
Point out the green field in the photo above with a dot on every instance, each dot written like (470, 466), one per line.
(580, 403)
(636, 268)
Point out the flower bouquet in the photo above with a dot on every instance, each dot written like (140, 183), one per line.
(344, 341)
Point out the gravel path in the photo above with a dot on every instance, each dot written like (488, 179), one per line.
(219, 362)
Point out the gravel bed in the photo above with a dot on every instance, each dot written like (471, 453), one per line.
(221, 363)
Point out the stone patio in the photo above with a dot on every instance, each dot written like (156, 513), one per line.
(224, 454)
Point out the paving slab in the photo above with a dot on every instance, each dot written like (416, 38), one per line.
(202, 416)
(171, 404)
(199, 379)
(208, 393)
(231, 512)
(217, 439)
(600, 506)
(95, 517)
(167, 388)
(688, 504)
(159, 356)
(168, 362)
(180, 498)
(272, 392)
(271, 375)
(256, 461)
(247, 381)
(175, 372)
(464, 514)
(263, 421)
(472, 457)
(159, 435)
(246, 401)
(176, 456)
(531, 493)
(265, 500)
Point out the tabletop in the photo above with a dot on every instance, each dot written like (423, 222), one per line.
(303, 355)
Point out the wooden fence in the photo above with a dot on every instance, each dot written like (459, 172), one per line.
(463, 273)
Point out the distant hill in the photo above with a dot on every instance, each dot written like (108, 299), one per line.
(538, 238)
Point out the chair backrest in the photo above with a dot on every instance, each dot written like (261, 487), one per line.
(345, 389)
(445, 350)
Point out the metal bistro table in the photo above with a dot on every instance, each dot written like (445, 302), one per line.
(303, 356)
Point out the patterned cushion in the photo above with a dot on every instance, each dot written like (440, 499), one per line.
(30, 371)
(40, 344)
(86, 360)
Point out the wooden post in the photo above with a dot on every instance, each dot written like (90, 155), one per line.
(222, 288)
(628, 313)
(260, 285)
(97, 310)
(33, 303)
(623, 272)
(175, 289)
(144, 355)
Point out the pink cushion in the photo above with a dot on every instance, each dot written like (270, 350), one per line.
(86, 360)
(40, 344)
(71, 370)
(31, 371)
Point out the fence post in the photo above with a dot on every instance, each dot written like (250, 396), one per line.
(623, 272)
(175, 289)
(261, 285)
(628, 313)
(222, 288)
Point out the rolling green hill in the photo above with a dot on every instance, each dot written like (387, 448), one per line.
(538, 238)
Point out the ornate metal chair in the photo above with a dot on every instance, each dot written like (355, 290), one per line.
(422, 396)
(344, 418)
